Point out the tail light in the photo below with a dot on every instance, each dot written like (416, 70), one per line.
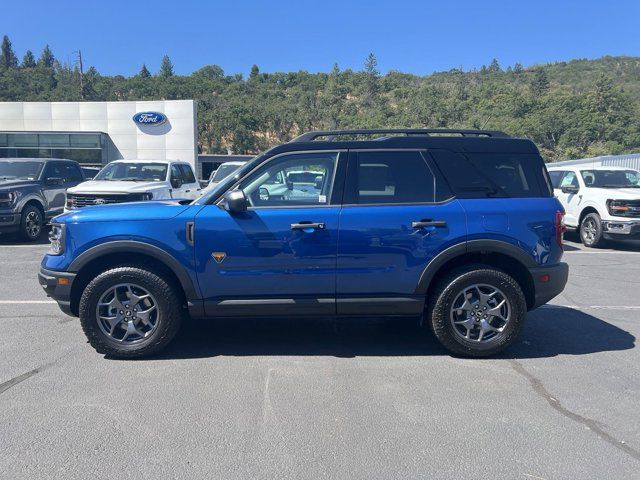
(560, 227)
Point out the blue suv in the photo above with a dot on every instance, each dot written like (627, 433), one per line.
(458, 228)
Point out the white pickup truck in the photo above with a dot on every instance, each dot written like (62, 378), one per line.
(135, 180)
(600, 202)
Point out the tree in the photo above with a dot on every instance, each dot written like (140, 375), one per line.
(540, 83)
(371, 80)
(495, 66)
(28, 61)
(255, 72)
(8, 57)
(166, 67)
(144, 72)
(46, 59)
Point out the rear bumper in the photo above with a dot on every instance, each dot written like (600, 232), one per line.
(57, 285)
(548, 282)
(628, 228)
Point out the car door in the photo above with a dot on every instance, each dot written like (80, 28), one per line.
(570, 196)
(177, 182)
(190, 186)
(398, 214)
(55, 186)
(278, 257)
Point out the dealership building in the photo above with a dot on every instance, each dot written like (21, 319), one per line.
(96, 133)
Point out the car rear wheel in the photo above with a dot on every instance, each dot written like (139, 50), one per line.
(31, 223)
(591, 231)
(477, 311)
(130, 312)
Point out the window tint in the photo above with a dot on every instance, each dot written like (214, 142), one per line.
(477, 175)
(383, 177)
(555, 178)
(71, 172)
(570, 179)
(175, 172)
(301, 179)
(187, 173)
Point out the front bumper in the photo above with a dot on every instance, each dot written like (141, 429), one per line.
(9, 221)
(548, 282)
(57, 285)
(629, 228)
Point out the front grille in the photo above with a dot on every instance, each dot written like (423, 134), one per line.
(85, 200)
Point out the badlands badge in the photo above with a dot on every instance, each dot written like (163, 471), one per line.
(219, 256)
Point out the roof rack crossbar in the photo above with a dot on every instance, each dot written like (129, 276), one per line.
(332, 134)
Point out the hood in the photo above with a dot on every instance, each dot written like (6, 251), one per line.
(105, 186)
(12, 184)
(620, 193)
(121, 212)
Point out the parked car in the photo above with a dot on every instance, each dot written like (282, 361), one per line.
(135, 180)
(460, 229)
(222, 172)
(602, 203)
(32, 190)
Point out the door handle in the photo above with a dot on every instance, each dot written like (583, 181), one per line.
(429, 223)
(306, 225)
(187, 191)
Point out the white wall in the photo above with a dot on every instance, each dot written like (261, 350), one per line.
(176, 139)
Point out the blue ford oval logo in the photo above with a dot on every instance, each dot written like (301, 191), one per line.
(150, 118)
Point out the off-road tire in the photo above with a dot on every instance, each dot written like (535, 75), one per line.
(170, 306)
(30, 213)
(448, 288)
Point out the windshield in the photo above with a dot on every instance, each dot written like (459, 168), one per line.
(133, 172)
(611, 178)
(20, 170)
(224, 171)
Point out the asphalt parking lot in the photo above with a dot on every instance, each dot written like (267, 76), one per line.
(315, 399)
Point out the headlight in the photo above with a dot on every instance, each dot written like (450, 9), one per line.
(7, 198)
(619, 207)
(56, 237)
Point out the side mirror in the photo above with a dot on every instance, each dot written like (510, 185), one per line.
(235, 201)
(54, 181)
(176, 182)
(570, 189)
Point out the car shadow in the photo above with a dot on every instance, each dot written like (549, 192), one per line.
(549, 331)
(15, 239)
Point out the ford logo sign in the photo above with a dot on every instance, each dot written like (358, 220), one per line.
(150, 118)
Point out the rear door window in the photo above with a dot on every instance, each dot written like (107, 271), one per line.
(479, 175)
(392, 177)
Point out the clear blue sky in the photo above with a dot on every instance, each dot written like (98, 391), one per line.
(413, 36)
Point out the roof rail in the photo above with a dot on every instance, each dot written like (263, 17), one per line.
(332, 134)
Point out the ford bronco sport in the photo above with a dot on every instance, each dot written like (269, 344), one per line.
(458, 228)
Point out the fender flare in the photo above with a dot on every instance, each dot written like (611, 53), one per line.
(132, 246)
(471, 246)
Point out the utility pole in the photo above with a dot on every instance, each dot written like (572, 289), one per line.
(81, 75)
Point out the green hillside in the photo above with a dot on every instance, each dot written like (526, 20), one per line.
(571, 109)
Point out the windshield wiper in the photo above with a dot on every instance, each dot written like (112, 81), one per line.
(620, 186)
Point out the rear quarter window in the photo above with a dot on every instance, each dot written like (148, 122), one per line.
(481, 175)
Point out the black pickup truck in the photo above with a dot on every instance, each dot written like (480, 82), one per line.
(32, 190)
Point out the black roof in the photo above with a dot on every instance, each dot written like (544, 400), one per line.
(477, 141)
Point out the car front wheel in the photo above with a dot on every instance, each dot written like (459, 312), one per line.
(591, 231)
(31, 223)
(130, 312)
(477, 311)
